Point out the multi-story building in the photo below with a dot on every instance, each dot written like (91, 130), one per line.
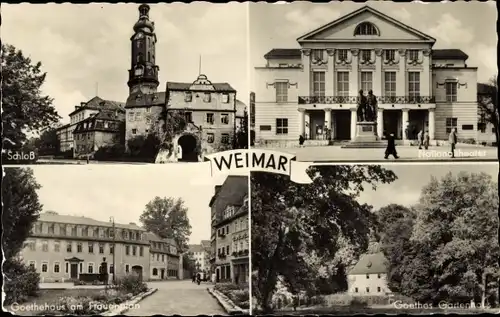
(210, 109)
(315, 88)
(104, 129)
(85, 111)
(61, 247)
(369, 276)
(199, 255)
(164, 258)
(230, 229)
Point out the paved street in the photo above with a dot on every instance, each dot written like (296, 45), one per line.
(406, 153)
(178, 298)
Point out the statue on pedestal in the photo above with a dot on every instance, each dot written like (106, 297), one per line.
(362, 105)
(372, 105)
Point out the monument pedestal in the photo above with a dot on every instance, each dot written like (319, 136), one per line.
(366, 132)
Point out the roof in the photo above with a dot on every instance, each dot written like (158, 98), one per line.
(51, 216)
(196, 248)
(98, 103)
(360, 11)
(233, 192)
(370, 264)
(137, 100)
(155, 238)
(117, 121)
(218, 87)
(277, 53)
(206, 243)
(283, 53)
(449, 54)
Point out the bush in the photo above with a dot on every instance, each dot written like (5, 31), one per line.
(109, 153)
(132, 284)
(20, 282)
(358, 303)
(237, 293)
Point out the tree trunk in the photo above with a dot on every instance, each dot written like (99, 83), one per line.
(483, 290)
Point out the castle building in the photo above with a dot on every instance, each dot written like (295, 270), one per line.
(369, 276)
(230, 238)
(209, 109)
(313, 90)
(61, 247)
(113, 112)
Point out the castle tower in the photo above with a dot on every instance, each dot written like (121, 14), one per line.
(143, 75)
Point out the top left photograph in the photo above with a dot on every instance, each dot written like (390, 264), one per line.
(123, 83)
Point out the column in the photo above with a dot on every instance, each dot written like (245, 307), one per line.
(304, 82)
(328, 121)
(426, 79)
(401, 74)
(380, 123)
(302, 121)
(405, 122)
(354, 76)
(329, 77)
(354, 119)
(432, 123)
(377, 77)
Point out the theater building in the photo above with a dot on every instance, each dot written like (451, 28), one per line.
(230, 227)
(313, 90)
(61, 247)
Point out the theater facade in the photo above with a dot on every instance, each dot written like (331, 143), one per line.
(313, 90)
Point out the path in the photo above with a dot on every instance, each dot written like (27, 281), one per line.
(178, 298)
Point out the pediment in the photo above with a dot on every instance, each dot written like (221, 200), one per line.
(343, 29)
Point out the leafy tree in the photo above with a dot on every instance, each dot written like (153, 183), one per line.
(241, 136)
(167, 217)
(452, 253)
(144, 147)
(21, 208)
(24, 107)
(48, 143)
(302, 232)
(488, 105)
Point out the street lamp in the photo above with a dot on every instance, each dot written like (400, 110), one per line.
(112, 219)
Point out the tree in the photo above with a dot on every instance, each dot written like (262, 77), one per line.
(305, 232)
(241, 136)
(167, 217)
(48, 143)
(453, 249)
(25, 109)
(144, 147)
(488, 104)
(21, 208)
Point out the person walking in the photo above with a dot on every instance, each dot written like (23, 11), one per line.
(452, 139)
(301, 140)
(194, 278)
(427, 139)
(198, 278)
(420, 137)
(391, 147)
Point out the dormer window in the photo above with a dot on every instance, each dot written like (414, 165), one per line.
(207, 97)
(366, 28)
(188, 96)
(225, 98)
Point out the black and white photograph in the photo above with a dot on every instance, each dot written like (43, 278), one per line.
(376, 239)
(375, 81)
(127, 240)
(134, 83)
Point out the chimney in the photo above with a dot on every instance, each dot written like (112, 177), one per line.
(77, 107)
(82, 104)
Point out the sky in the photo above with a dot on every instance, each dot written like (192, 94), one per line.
(122, 191)
(412, 178)
(469, 26)
(82, 45)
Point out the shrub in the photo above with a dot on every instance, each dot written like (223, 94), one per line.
(21, 281)
(358, 303)
(131, 284)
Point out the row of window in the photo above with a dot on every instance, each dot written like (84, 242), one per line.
(207, 97)
(365, 55)
(356, 290)
(282, 125)
(159, 257)
(170, 273)
(91, 267)
(77, 117)
(237, 225)
(83, 136)
(235, 247)
(318, 87)
(101, 247)
(137, 115)
(210, 117)
(224, 137)
(86, 231)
